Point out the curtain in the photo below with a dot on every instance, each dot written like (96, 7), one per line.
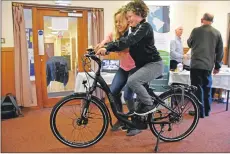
(96, 30)
(22, 77)
(228, 45)
(96, 36)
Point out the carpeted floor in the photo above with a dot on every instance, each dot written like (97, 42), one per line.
(32, 133)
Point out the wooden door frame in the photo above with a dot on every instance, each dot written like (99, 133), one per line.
(37, 14)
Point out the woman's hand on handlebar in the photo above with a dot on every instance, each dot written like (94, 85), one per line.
(101, 51)
(98, 46)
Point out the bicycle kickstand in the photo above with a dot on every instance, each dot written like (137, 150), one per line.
(158, 138)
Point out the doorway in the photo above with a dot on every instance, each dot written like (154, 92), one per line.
(60, 40)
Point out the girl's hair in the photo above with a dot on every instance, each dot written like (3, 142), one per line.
(138, 7)
(122, 13)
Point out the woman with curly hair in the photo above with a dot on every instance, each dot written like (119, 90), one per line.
(142, 49)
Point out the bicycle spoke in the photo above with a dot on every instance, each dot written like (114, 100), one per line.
(67, 116)
(186, 110)
(78, 134)
(74, 112)
(185, 106)
(73, 132)
(89, 131)
(86, 136)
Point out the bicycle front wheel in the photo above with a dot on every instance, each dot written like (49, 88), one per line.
(182, 126)
(68, 126)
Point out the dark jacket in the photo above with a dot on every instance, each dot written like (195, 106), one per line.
(140, 43)
(57, 70)
(207, 48)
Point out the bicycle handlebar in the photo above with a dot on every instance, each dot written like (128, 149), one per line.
(91, 54)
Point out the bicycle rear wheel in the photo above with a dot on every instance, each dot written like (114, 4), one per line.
(69, 128)
(185, 124)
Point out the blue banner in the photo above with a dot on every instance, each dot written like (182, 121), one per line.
(160, 20)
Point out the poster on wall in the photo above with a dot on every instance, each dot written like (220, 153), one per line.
(159, 18)
(29, 38)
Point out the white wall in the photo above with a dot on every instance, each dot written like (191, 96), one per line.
(220, 10)
(183, 14)
(7, 25)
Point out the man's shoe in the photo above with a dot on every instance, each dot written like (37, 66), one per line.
(202, 116)
(133, 132)
(192, 113)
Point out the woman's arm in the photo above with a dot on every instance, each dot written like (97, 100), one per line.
(107, 39)
(131, 39)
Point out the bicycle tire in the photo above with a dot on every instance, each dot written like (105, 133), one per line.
(195, 103)
(77, 96)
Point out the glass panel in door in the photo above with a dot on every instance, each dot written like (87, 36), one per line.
(60, 43)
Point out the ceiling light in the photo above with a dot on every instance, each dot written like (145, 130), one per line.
(59, 2)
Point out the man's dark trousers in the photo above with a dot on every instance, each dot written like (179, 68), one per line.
(202, 79)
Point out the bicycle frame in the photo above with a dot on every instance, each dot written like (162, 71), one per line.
(103, 85)
(137, 121)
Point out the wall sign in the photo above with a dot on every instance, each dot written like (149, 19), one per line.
(75, 14)
(41, 42)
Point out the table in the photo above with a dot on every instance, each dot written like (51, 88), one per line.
(108, 77)
(81, 76)
(220, 80)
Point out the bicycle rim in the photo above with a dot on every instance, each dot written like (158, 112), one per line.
(60, 134)
(185, 119)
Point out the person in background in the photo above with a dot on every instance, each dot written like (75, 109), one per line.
(207, 53)
(127, 67)
(176, 49)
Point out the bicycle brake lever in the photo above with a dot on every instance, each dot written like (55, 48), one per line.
(90, 52)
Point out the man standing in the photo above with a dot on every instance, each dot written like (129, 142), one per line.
(176, 49)
(207, 52)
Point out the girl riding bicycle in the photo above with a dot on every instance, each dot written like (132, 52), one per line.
(143, 51)
(127, 67)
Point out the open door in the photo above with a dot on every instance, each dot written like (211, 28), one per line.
(60, 44)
